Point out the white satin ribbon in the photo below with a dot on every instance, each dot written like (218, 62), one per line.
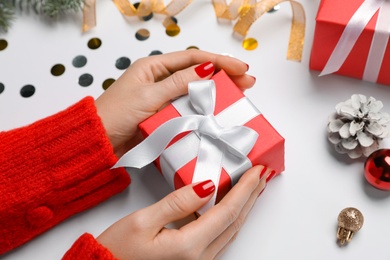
(212, 143)
(351, 34)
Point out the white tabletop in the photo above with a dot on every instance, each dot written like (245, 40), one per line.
(296, 217)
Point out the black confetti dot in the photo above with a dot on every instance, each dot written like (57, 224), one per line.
(142, 34)
(79, 61)
(122, 63)
(94, 43)
(3, 44)
(27, 91)
(57, 70)
(155, 52)
(2, 87)
(85, 80)
(107, 83)
(174, 19)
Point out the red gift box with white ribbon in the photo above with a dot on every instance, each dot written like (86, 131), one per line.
(351, 39)
(214, 133)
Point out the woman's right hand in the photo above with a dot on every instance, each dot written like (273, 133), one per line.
(142, 234)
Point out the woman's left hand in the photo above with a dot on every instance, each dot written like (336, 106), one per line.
(151, 82)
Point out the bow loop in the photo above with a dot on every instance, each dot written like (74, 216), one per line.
(202, 96)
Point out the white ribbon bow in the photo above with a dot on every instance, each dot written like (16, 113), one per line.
(352, 32)
(217, 143)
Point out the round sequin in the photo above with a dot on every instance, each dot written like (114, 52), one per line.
(274, 9)
(142, 34)
(122, 63)
(192, 47)
(27, 91)
(57, 70)
(2, 87)
(85, 80)
(94, 43)
(249, 44)
(3, 44)
(172, 30)
(147, 17)
(155, 52)
(79, 61)
(107, 83)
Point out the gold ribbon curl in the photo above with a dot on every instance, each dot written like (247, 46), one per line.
(297, 33)
(247, 12)
(144, 8)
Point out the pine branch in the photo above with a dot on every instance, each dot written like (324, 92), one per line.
(7, 14)
(50, 8)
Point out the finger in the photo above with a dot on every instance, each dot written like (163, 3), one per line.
(177, 84)
(244, 82)
(183, 59)
(215, 221)
(178, 204)
(219, 245)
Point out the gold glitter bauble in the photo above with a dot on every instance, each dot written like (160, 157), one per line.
(349, 220)
(250, 44)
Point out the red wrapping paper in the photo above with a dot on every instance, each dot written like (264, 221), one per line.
(268, 150)
(332, 17)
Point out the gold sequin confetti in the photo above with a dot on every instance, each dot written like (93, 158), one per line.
(107, 83)
(192, 47)
(142, 34)
(57, 70)
(3, 44)
(250, 44)
(172, 30)
(94, 43)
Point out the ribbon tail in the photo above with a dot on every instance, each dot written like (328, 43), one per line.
(379, 44)
(151, 148)
(208, 166)
(350, 35)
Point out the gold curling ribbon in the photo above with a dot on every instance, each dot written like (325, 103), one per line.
(233, 10)
(297, 33)
(89, 15)
(128, 9)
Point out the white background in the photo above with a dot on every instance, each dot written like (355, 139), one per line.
(296, 217)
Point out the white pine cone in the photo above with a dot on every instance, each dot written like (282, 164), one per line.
(357, 126)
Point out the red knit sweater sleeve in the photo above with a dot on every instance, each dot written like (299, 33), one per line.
(86, 247)
(53, 169)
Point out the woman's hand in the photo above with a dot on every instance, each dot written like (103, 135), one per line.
(151, 82)
(142, 235)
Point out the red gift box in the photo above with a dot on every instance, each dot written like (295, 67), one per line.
(332, 18)
(268, 149)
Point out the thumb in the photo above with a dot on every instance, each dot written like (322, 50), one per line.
(179, 204)
(177, 84)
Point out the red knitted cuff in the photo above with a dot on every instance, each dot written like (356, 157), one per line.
(53, 169)
(86, 247)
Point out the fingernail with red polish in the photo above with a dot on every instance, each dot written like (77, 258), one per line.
(270, 176)
(204, 69)
(204, 188)
(262, 190)
(262, 172)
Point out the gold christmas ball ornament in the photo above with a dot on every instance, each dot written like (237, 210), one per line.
(350, 220)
